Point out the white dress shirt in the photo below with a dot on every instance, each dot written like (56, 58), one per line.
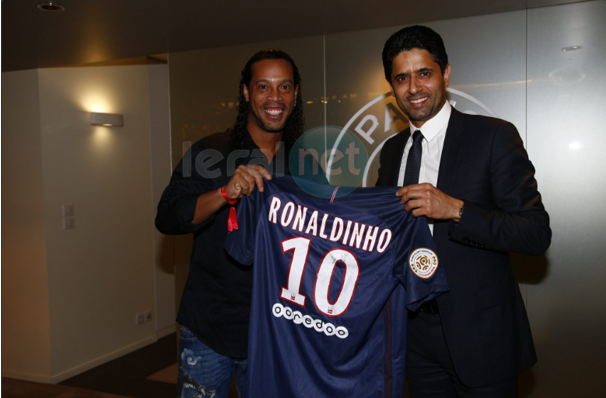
(434, 132)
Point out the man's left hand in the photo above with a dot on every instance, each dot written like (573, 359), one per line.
(427, 200)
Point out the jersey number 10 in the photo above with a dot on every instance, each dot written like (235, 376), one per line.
(300, 247)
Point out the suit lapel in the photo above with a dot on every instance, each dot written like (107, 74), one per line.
(449, 165)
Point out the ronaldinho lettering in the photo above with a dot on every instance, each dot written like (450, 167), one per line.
(350, 233)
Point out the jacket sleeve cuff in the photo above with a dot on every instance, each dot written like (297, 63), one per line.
(466, 230)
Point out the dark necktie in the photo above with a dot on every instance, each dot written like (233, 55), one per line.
(413, 163)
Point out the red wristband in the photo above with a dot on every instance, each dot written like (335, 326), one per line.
(224, 194)
(232, 221)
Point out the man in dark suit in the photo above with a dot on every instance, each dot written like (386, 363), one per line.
(471, 177)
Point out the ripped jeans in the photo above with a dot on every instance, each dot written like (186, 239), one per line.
(205, 374)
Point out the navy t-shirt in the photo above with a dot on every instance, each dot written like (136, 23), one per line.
(332, 280)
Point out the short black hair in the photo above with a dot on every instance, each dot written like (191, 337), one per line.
(412, 37)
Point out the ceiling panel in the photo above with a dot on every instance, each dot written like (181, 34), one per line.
(100, 30)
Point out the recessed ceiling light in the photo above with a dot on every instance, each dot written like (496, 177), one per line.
(50, 6)
(571, 48)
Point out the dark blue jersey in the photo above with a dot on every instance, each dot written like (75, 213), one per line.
(332, 284)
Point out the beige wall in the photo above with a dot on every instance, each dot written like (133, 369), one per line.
(98, 275)
(25, 305)
(161, 169)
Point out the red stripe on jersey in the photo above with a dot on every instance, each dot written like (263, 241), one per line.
(334, 194)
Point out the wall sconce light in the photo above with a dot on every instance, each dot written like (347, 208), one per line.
(106, 119)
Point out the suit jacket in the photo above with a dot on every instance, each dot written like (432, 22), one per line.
(483, 163)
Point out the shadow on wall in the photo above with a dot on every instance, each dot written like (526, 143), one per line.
(166, 254)
(526, 383)
(530, 270)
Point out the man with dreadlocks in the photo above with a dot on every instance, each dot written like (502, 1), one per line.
(216, 171)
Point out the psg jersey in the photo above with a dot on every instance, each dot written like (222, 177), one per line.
(332, 283)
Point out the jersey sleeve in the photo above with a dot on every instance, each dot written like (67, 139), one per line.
(240, 243)
(417, 264)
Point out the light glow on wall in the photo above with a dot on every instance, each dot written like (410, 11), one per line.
(93, 101)
(101, 136)
(574, 145)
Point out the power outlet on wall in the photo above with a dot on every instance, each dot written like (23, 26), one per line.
(139, 318)
(143, 317)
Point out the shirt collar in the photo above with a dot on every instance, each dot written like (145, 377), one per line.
(435, 125)
(281, 154)
(249, 142)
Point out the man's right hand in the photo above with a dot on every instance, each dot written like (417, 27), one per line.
(245, 179)
(243, 182)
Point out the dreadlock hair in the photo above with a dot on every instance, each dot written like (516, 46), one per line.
(295, 124)
(412, 37)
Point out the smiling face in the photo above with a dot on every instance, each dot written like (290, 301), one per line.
(271, 95)
(418, 85)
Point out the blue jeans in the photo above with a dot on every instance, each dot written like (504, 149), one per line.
(205, 374)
